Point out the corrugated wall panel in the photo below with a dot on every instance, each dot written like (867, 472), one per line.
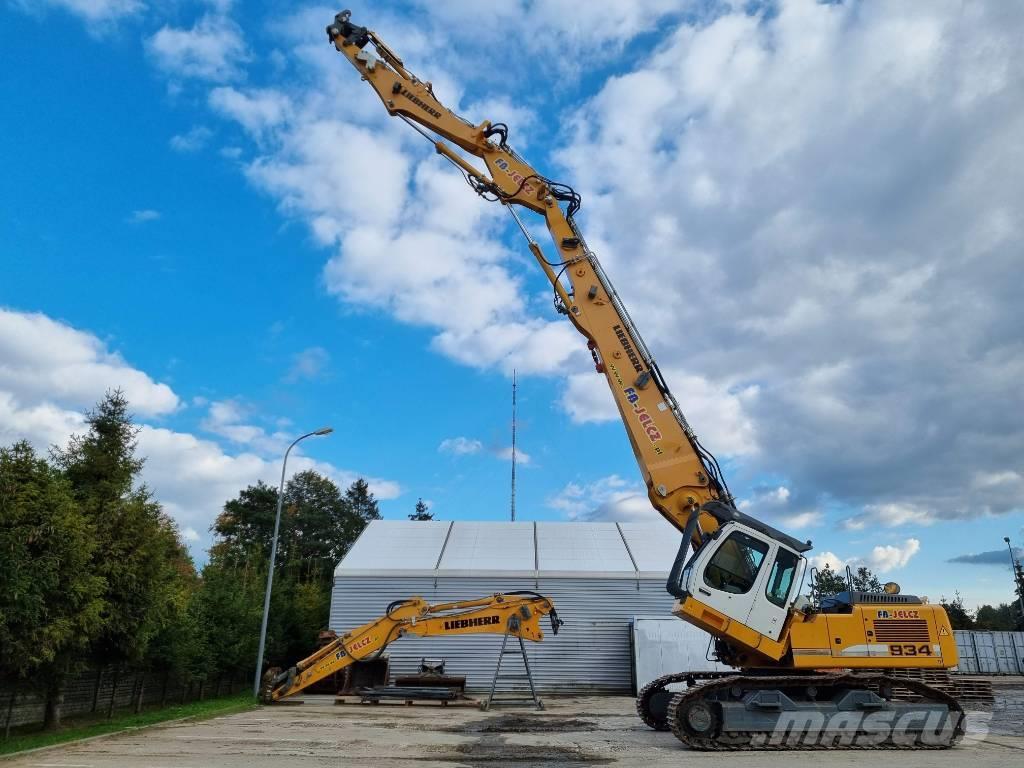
(968, 663)
(591, 653)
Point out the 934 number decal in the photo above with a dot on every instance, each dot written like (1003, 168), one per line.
(910, 650)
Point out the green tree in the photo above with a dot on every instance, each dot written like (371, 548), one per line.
(51, 602)
(959, 616)
(228, 607)
(318, 526)
(361, 500)
(995, 618)
(827, 582)
(244, 528)
(421, 512)
(138, 553)
(865, 581)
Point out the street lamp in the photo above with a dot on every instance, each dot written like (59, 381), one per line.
(273, 554)
(1016, 576)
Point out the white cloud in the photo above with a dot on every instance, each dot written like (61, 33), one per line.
(505, 453)
(94, 12)
(773, 504)
(226, 418)
(718, 414)
(50, 372)
(830, 213)
(256, 111)
(43, 359)
(797, 521)
(609, 498)
(213, 49)
(446, 268)
(891, 557)
(460, 446)
(468, 446)
(888, 516)
(143, 216)
(193, 477)
(309, 364)
(563, 33)
(192, 140)
(45, 424)
(189, 476)
(831, 559)
(883, 558)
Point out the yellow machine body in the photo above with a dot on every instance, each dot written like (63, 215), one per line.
(870, 636)
(516, 614)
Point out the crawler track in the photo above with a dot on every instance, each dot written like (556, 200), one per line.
(709, 687)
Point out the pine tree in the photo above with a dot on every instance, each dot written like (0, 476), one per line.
(51, 602)
(138, 553)
(421, 512)
(362, 501)
(959, 616)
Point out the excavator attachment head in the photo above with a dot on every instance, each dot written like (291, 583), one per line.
(267, 685)
(344, 28)
(555, 621)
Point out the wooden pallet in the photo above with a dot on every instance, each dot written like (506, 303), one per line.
(467, 702)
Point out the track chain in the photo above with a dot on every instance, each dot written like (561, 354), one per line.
(643, 698)
(743, 740)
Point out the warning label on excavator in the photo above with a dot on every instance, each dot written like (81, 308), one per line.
(943, 632)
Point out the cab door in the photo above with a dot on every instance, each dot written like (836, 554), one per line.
(770, 607)
(726, 577)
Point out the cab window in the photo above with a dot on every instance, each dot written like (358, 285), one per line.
(780, 581)
(733, 568)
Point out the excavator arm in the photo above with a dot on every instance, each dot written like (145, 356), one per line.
(681, 476)
(515, 613)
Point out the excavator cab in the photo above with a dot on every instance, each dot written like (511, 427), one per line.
(746, 576)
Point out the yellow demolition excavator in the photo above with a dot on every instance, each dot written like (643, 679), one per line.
(809, 675)
(517, 614)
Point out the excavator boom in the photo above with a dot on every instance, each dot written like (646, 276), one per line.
(679, 473)
(515, 613)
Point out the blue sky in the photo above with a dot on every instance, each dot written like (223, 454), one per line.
(810, 212)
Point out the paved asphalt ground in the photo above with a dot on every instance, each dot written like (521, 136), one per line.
(578, 731)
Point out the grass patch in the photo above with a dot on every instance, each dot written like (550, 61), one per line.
(79, 729)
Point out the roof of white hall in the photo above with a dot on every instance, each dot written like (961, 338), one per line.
(534, 549)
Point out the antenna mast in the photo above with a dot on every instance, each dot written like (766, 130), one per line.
(513, 445)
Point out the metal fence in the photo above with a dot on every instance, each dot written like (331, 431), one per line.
(102, 692)
(990, 653)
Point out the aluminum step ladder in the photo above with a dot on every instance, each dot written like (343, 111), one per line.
(512, 700)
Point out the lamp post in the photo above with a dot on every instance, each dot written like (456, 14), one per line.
(273, 554)
(1016, 576)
